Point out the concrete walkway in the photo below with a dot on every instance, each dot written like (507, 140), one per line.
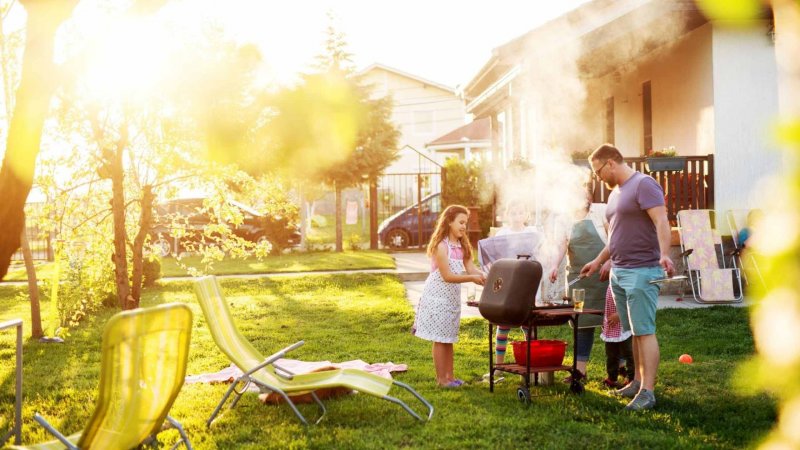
(414, 267)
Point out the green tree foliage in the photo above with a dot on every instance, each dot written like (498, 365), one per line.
(374, 145)
(776, 313)
(462, 183)
(376, 142)
(466, 184)
(313, 126)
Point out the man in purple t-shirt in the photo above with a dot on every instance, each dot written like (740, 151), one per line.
(638, 246)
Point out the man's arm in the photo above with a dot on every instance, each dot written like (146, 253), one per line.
(658, 214)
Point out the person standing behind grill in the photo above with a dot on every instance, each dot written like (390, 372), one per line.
(516, 216)
(439, 311)
(638, 245)
(586, 239)
(619, 345)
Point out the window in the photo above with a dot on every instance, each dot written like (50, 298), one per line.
(647, 117)
(609, 137)
(423, 122)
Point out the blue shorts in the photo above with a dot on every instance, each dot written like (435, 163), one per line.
(636, 299)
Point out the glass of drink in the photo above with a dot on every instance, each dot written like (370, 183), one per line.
(578, 297)
(471, 293)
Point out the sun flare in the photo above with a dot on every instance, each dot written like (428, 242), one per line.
(129, 61)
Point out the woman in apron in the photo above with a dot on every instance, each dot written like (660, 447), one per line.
(586, 240)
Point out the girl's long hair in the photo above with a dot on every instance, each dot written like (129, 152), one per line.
(443, 229)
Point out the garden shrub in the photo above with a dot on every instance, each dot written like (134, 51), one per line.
(318, 221)
(354, 241)
(151, 270)
(467, 184)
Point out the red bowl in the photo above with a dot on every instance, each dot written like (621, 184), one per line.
(544, 352)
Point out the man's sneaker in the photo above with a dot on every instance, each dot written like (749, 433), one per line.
(644, 400)
(630, 390)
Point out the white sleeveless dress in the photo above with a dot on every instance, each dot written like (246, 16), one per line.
(439, 310)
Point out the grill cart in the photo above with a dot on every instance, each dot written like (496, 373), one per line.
(508, 298)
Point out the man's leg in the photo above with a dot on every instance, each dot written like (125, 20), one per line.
(650, 355)
(638, 369)
(643, 302)
(622, 282)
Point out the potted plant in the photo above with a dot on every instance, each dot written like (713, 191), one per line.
(666, 159)
(581, 157)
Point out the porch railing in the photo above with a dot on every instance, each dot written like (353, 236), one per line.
(690, 188)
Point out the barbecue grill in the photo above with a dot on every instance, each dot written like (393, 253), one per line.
(509, 298)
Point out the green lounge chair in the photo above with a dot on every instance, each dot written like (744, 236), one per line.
(142, 370)
(272, 378)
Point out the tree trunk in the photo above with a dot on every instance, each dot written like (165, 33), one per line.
(145, 222)
(304, 220)
(33, 286)
(120, 256)
(37, 83)
(338, 209)
(373, 213)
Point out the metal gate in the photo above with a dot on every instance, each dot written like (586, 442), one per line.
(409, 203)
(38, 239)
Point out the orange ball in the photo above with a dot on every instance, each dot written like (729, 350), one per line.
(686, 359)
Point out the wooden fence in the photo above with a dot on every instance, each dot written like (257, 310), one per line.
(690, 188)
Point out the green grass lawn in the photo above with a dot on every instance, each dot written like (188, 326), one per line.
(290, 262)
(16, 272)
(366, 316)
(327, 234)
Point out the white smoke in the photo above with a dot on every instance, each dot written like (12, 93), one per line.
(560, 116)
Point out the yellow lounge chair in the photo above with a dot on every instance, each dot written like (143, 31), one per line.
(270, 377)
(141, 372)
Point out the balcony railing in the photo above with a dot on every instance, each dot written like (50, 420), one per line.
(690, 188)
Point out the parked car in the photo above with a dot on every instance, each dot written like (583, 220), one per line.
(192, 217)
(402, 229)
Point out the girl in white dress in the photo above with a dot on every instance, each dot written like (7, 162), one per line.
(439, 311)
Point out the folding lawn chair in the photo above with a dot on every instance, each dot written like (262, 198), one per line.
(271, 377)
(737, 220)
(710, 283)
(144, 354)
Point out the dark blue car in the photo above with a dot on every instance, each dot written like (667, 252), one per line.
(402, 229)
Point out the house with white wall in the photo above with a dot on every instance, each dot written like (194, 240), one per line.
(422, 110)
(644, 75)
(472, 141)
